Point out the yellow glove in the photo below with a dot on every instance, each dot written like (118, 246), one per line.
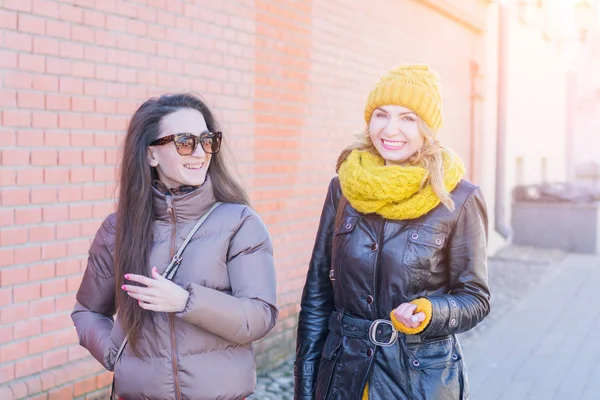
(424, 306)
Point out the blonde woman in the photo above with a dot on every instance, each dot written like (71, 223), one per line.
(399, 262)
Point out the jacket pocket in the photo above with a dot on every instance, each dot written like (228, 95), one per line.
(341, 241)
(435, 368)
(438, 353)
(329, 357)
(423, 254)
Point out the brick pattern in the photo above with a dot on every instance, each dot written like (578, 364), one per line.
(287, 79)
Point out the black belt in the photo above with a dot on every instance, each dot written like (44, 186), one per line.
(380, 331)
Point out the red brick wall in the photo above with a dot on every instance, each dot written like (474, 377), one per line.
(288, 80)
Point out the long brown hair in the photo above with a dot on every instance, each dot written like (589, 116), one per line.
(430, 156)
(135, 212)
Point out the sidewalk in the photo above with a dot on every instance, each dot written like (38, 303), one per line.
(541, 341)
(547, 347)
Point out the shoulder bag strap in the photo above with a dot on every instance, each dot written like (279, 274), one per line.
(339, 213)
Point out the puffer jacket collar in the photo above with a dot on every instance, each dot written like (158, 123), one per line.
(184, 204)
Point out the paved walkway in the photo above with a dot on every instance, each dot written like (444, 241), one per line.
(541, 341)
(547, 347)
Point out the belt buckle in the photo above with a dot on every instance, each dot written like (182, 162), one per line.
(373, 333)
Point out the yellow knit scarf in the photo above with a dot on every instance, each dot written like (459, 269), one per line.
(393, 191)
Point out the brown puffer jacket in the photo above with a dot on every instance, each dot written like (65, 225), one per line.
(205, 351)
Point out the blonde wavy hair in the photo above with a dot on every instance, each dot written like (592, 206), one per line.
(430, 157)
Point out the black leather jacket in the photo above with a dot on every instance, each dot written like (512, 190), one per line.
(376, 264)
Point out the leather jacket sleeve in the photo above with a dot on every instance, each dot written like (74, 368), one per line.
(316, 303)
(469, 299)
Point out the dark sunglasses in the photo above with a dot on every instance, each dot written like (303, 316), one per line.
(186, 143)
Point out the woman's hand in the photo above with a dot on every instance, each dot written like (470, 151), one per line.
(404, 314)
(160, 294)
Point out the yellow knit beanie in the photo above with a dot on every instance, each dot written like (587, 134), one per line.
(414, 86)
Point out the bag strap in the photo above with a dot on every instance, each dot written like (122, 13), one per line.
(169, 273)
(339, 212)
(173, 266)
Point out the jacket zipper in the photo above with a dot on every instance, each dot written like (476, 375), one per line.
(171, 212)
